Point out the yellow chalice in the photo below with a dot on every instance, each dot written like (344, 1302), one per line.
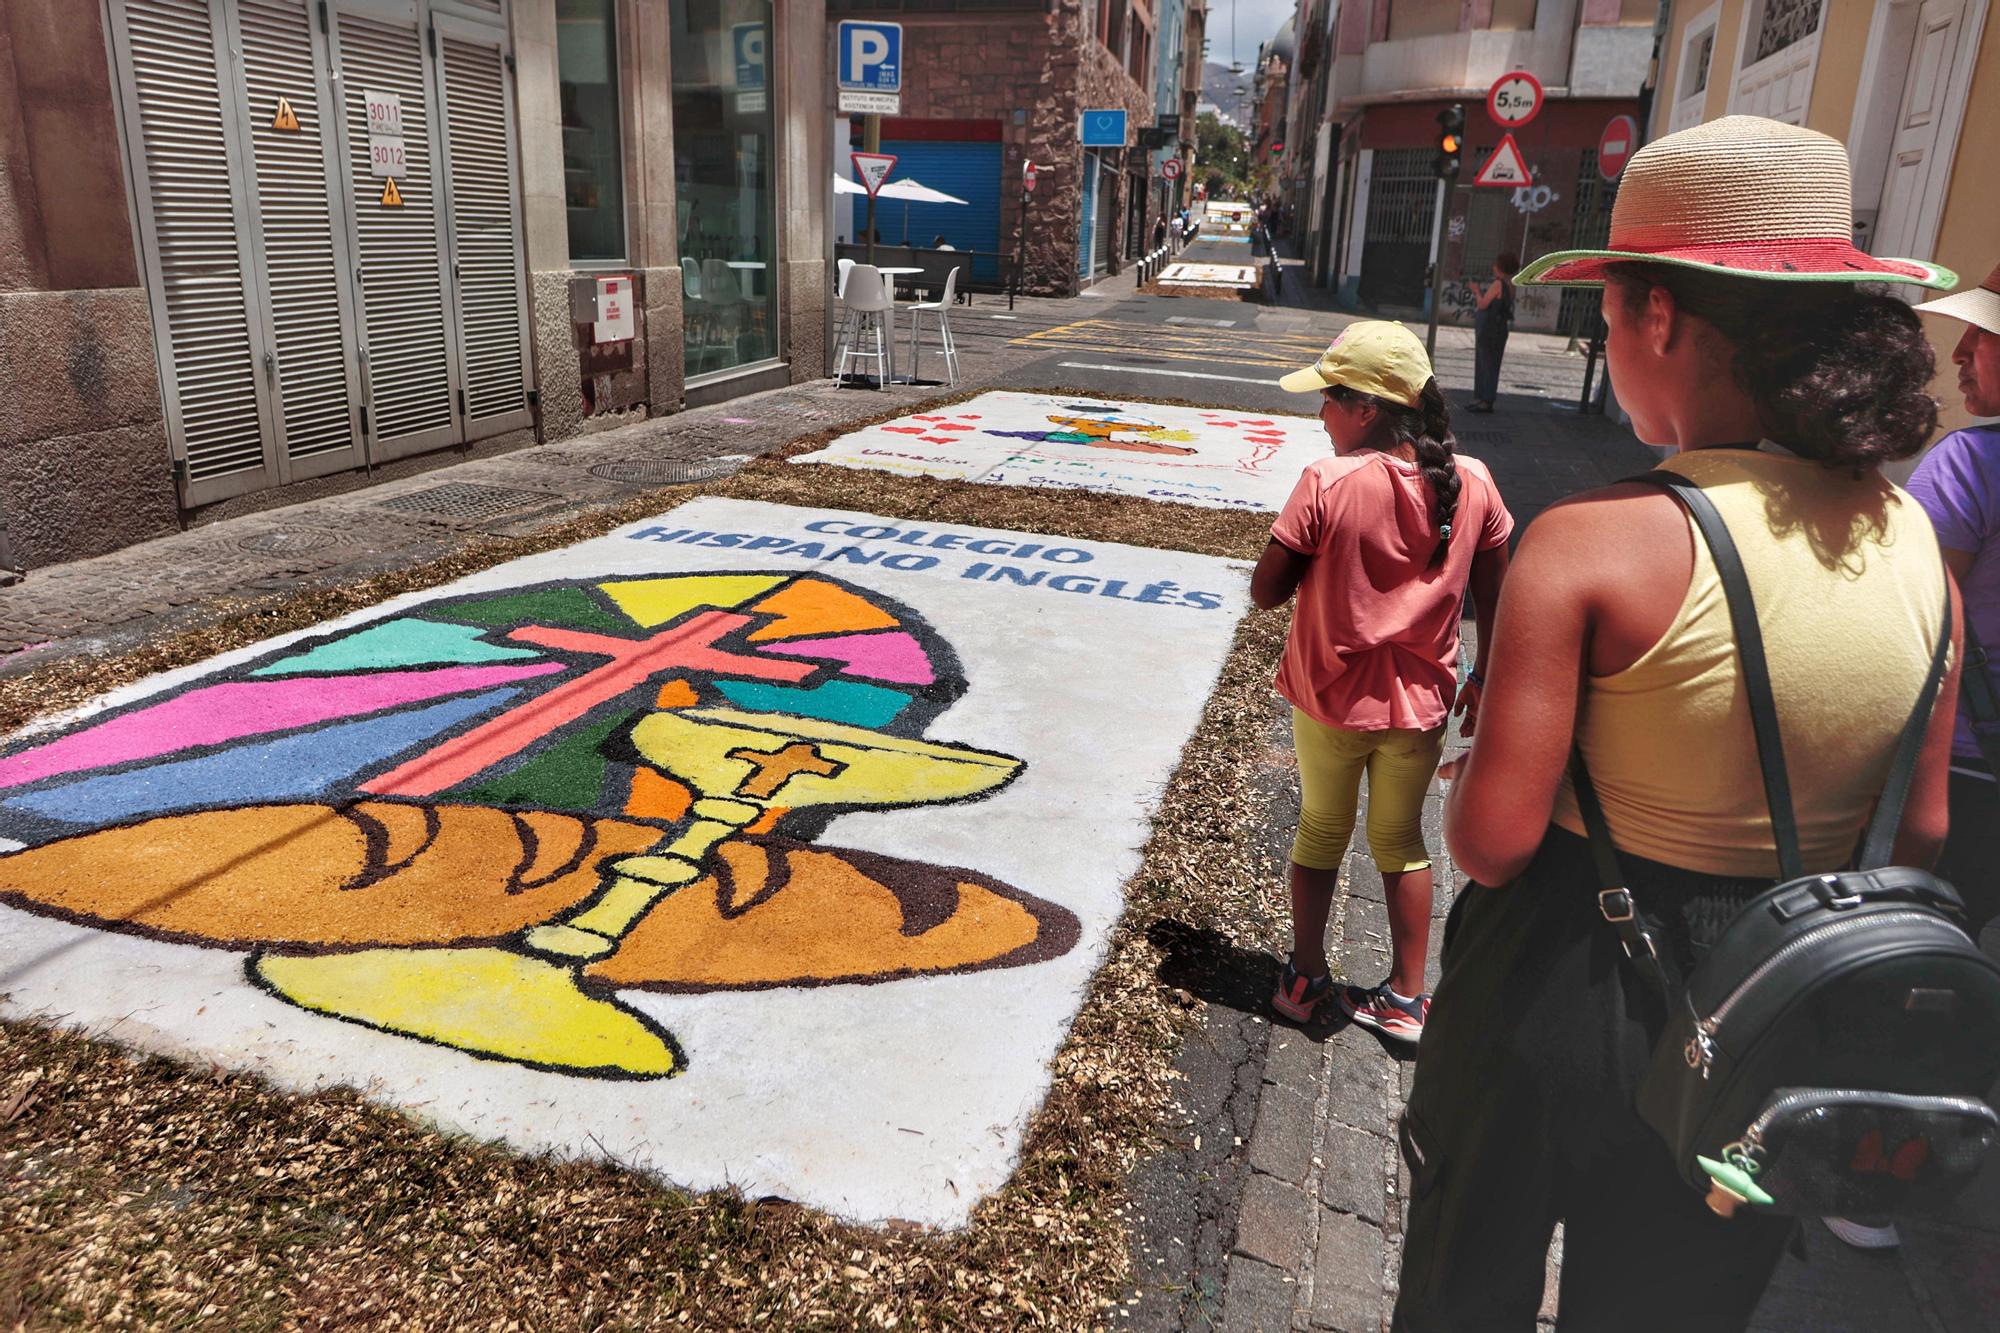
(525, 1003)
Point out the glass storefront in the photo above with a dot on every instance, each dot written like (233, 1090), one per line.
(593, 164)
(724, 176)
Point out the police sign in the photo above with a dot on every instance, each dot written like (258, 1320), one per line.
(870, 67)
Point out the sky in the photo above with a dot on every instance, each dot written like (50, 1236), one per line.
(1256, 22)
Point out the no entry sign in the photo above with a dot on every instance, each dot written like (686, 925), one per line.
(1027, 178)
(1616, 145)
(1514, 99)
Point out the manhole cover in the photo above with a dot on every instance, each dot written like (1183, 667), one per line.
(289, 541)
(459, 499)
(669, 471)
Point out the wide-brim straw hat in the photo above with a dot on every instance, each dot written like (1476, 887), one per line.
(1744, 196)
(1975, 305)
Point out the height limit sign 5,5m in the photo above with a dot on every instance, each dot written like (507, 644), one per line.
(1514, 99)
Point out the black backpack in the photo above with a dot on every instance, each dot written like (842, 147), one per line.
(1832, 1053)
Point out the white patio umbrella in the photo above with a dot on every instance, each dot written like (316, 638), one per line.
(909, 191)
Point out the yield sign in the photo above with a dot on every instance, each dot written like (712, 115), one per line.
(873, 169)
(1505, 167)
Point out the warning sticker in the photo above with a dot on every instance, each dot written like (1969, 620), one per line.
(286, 119)
(391, 196)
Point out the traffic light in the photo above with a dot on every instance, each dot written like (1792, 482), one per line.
(1451, 141)
(1277, 150)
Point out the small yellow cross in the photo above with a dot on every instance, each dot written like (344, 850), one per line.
(773, 769)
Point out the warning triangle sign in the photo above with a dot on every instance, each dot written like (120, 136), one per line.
(286, 119)
(391, 196)
(1506, 166)
(873, 169)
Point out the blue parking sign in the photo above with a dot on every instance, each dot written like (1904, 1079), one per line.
(1101, 128)
(746, 40)
(871, 56)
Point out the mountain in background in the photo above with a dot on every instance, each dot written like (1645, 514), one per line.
(1218, 85)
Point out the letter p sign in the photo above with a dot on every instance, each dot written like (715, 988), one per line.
(871, 57)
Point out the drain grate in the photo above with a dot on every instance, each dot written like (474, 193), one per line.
(669, 471)
(459, 499)
(290, 541)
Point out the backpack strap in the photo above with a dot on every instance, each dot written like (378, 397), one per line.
(1879, 844)
(1976, 689)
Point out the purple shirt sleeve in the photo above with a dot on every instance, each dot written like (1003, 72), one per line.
(1956, 484)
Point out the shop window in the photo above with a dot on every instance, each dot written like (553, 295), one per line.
(593, 155)
(724, 177)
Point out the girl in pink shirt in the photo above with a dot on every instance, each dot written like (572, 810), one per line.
(1380, 542)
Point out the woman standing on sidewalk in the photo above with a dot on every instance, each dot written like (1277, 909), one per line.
(1379, 542)
(1739, 338)
(1491, 322)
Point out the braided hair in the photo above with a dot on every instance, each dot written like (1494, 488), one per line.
(1426, 428)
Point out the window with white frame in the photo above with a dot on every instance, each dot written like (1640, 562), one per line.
(1781, 23)
(1691, 79)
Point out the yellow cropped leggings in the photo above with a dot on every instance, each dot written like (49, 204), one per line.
(1399, 764)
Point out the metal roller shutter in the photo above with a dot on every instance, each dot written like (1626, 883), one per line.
(407, 355)
(970, 170)
(192, 222)
(485, 238)
(295, 220)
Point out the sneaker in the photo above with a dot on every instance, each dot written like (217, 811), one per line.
(1865, 1233)
(1376, 1008)
(1298, 995)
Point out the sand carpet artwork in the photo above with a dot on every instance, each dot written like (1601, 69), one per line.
(750, 845)
(1222, 459)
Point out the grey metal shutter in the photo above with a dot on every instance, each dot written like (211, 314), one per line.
(490, 286)
(304, 270)
(191, 222)
(407, 354)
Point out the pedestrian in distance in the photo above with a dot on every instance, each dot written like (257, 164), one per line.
(1491, 321)
(1740, 339)
(1379, 543)
(938, 242)
(1958, 484)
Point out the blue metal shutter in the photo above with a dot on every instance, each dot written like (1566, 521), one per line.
(969, 170)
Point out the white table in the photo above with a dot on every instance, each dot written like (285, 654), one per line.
(889, 276)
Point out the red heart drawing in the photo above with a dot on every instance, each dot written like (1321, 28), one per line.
(951, 425)
(907, 430)
(922, 417)
(968, 416)
(938, 439)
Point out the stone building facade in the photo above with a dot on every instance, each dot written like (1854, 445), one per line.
(1020, 74)
(388, 253)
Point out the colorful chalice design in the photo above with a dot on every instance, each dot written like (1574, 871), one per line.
(474, 831)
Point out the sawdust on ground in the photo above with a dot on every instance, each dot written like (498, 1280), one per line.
(139, 1192)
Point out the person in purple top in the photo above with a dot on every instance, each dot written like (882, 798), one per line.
(1958, 484)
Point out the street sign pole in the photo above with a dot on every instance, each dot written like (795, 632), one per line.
(1437, 235)
(871, 142)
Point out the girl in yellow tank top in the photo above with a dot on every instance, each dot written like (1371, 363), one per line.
(1781, 398)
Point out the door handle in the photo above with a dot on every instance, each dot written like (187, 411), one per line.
(271, 369)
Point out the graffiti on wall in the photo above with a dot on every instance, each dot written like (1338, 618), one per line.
(1221, 459)
(650, 823)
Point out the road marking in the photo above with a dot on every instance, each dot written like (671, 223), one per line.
(1149, 370)
(1243, 347)
(1003, 317)
(1210, 323)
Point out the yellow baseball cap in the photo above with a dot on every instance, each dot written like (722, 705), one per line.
(1374, 356)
